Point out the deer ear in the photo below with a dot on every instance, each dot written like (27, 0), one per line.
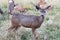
(48, 7)
(37, 7)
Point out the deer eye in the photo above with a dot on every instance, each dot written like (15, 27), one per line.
(43, 11)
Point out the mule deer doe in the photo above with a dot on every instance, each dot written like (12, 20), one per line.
(19, 8)
(29, 21)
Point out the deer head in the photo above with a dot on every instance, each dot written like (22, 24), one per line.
(43, 10)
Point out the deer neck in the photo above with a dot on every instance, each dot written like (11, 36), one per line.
(42, 16)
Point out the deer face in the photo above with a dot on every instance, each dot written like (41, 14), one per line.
(43, 11)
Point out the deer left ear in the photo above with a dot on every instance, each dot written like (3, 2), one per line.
(48, 7)
(37, 7)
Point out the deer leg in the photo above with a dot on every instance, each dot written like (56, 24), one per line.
(16, 28)
(38, 36)
(10, 28)
(8, 31)
(15, 33)
(34, 35)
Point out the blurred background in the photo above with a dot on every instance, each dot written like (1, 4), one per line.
(49, 30)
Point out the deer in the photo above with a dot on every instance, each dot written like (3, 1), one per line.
(28, 21)
(15, 6)
(19, 8)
